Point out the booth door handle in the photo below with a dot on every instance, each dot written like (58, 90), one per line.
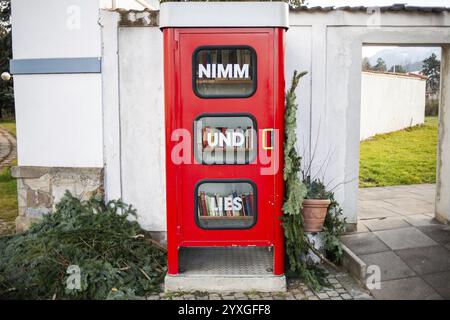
(267, 144)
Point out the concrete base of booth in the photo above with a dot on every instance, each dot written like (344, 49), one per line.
(221, 283)
(226, 269)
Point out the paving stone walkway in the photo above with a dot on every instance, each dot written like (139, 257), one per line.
(396, 231)
(342, 287)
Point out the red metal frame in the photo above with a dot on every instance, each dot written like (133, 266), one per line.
(182, 106)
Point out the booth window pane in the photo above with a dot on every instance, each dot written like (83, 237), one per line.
(226, 205)
(225, 139)
(224, 72)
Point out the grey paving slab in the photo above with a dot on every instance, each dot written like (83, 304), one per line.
(428, 196)
(378, 203)
(439, 233)
(402, 217)
(419, 220)
(410, 206)
(440, 282)
(385, 224)
(422, 188)
(391, 266)
(380, 193)
(376, 212)
(404, 238)
(426, 260)
(364, 243)
(360, 227)
(406, 289)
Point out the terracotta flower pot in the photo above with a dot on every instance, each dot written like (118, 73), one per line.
(314, 213)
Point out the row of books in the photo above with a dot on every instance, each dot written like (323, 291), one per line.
(222, 137)
(231, 205)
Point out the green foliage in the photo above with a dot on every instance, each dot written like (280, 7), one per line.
(116, 257)
(315, 189)
(295, 190)
(296, 241)
(380, 66)
(432, 107)
(333, 228)
(402, 157)
(432, 69)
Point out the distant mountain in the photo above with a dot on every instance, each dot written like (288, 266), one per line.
(410, 57)
(416, 66)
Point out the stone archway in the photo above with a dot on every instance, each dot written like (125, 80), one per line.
(345, 73)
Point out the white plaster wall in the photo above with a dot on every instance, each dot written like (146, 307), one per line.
(390, 103)
(443, 150)
(59, 117)
(298, 57)
(111, 109)
(328, 46)
(142, 124)
(59, 120)
(55, 29)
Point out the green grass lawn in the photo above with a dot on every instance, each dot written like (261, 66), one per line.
(8, 186)
(8, 196)
(9, 125)
(402, 157)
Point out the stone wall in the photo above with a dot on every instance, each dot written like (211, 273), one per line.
(390, 102)
(40, 188)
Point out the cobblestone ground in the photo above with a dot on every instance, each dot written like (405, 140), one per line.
(341, 287)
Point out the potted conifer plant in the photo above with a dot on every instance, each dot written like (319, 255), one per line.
(315, 205)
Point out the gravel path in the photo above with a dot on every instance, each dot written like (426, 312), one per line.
(8, 148)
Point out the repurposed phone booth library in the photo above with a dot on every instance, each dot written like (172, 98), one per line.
(224, 111)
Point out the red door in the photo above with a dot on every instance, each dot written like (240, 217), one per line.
(226, 85)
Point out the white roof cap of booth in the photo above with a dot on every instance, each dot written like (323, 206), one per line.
(224, 14)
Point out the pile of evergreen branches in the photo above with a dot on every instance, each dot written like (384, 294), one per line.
(115, 257)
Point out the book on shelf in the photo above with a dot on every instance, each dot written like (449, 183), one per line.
(202, 204)
(236, 209)
(245, 211)
(249, 199)
(230, 205)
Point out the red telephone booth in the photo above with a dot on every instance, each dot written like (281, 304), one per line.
(224, 100)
